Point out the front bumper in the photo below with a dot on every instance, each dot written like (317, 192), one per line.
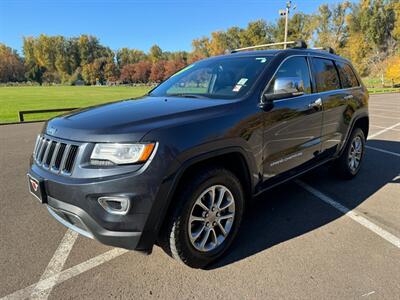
(74, 203)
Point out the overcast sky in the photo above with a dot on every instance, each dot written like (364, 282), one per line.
(172, 24)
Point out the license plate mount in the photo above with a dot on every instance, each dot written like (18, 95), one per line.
(36, 188)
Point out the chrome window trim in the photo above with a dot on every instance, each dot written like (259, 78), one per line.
(353, 72)
(280, 65)
(337, 73)
(309, 55)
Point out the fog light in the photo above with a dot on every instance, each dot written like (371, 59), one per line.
(115, 205)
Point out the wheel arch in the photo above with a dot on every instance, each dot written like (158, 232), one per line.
(362, 122)
(234, 159)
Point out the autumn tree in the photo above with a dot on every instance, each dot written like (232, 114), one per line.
(129, 56)
(141, 72)
(218, 43)
(111, 72)
(127, 73)
(395, 5)
(256, 33)
(93, 72)
(90, 73)
(157, 71)
(91, 49)
(173, 66)
(155, 53)
(201, 47)
(11, 65)
(300, 27)
(393, 69)
(332, 29)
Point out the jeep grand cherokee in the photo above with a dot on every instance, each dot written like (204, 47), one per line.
(178, 166)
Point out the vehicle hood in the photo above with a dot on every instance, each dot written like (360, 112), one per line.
(129, 120)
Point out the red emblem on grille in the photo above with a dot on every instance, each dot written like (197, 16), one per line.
(34, 185)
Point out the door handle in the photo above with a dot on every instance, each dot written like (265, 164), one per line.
(316, 104)
(348, 97)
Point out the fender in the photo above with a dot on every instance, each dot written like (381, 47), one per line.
(164, 198)
(360, 115)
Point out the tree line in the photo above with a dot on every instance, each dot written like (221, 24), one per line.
(366, 32)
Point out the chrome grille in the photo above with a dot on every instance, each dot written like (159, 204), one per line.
(57, 156)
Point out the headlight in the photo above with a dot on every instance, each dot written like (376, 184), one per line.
(122, 153)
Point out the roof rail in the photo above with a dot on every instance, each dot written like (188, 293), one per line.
(329, 49)
(300, 44)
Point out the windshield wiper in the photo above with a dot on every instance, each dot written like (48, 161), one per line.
(186, 95)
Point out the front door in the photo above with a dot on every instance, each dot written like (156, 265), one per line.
(292, 131)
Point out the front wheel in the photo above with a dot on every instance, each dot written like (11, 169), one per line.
(349, 163)
(206, 219)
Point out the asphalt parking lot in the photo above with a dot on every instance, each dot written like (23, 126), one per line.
(317, 237)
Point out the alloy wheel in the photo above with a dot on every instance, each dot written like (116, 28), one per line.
(355, 153)
(211, 218)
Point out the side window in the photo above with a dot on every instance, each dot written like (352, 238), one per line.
(326, 76)
(347, 76)
(293, 71)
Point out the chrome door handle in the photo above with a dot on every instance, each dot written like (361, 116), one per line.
(316, 104)
(348, 97)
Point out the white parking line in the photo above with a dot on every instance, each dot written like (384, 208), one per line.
(382, 109)
(383, 130)
(50, 282)
(386, 103)
(383, 151)
(55, 266)
(385, 108)
(385, 117)
(382, 127)
(351, 214)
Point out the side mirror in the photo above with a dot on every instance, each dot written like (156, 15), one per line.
(285, 87)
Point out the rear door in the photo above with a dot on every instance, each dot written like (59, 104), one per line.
(292, 129)
(354, 95)
(334, 101)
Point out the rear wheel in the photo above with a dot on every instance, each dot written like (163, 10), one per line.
(206, 219)
(349, 163)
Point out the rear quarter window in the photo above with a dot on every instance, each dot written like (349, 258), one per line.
(347, 76)
(326, 76)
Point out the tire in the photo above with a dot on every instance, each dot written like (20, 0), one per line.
(175, 237)
(343, 165)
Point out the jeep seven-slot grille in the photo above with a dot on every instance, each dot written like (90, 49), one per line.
(56, 156)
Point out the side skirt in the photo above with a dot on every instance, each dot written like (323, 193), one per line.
(290, 177)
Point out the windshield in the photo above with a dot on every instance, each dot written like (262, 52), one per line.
(226, 77)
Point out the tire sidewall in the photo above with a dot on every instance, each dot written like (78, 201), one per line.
(191, 254)
(357, 132)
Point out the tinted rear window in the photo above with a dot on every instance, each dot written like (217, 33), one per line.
(326, 76)
(347, 76)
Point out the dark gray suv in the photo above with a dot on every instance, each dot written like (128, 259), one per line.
(178, 166)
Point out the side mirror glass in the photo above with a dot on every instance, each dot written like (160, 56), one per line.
(285, 87)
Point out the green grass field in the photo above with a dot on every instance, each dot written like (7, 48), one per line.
(383, 90)
(15, 99)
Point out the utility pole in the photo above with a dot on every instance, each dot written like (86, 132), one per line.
(285, 12)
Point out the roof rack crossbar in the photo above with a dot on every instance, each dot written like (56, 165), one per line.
(328, 49)
(299, 44)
